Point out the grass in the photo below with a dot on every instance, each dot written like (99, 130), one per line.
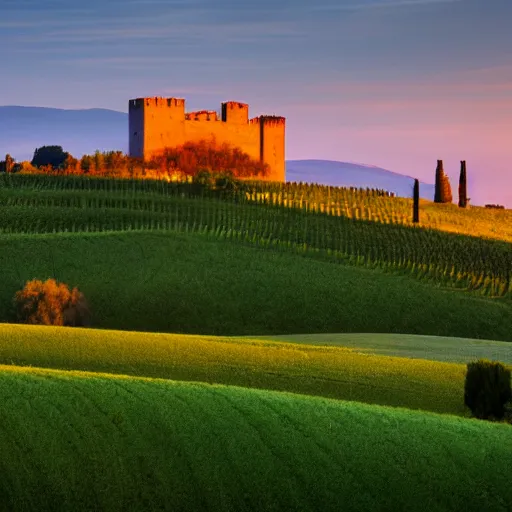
(81, 441)
(191, 283)
(329, 371)
(435, 348)
(41, 204)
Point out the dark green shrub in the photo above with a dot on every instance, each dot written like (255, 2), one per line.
(487, 389)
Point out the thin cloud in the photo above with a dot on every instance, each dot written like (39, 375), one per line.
(180, 33)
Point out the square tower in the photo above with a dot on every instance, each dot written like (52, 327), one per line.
(155, 123)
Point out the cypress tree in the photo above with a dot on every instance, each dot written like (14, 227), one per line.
(443, 191)
(439, 177)
(463, 191)
(416, 202)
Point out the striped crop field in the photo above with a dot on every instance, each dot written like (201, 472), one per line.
(329, 371)
(49, 204)
(82, 441)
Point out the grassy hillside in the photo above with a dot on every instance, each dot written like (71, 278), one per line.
(192, 283)
(434, 348)
(77, 441)
(329, 371)
(281, 219)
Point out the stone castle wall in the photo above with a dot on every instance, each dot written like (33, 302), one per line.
(157, 123)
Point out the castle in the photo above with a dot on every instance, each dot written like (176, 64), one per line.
(157, 123)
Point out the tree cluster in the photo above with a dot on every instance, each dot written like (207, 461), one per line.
(186, 160)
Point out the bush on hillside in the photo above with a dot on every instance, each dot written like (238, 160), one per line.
(487, 389)
(215, 183)
(51, 303)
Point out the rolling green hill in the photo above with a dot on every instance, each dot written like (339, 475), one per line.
(194, 283)
(329, 371)
(308, 220)
(78, 441)
(116, 420)
(433, 348)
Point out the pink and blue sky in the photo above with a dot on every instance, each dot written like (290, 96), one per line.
(394, 83)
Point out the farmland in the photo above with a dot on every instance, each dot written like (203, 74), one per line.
(204, 284)
(257, 216)
(255, 348)
(82, 441)
(333, 372)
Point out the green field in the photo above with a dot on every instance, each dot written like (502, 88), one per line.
(193, 283)
(353, 327)
(78, 441)
(331, 372)
(435, 348)
(257, 215)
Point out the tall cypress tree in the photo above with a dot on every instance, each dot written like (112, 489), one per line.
(439, 178)
(463, 190)
(416, 202)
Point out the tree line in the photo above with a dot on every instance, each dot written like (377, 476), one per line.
(189, 159)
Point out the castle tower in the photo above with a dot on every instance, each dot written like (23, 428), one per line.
(157, 123)
(235, 112)
(272, 146)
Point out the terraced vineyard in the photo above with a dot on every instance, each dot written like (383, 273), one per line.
(259, 215)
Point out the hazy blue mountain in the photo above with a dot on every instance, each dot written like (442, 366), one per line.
(23, 129)
(346, 174)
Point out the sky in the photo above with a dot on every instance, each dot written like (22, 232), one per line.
(395, 83)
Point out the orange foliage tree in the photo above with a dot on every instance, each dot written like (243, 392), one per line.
(51, 303)
(187, 160)
(193, 157)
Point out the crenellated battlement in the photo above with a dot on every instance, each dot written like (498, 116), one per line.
(157, 102)
(273, 120)
(202, 115)
(268, 120)
(156, 123)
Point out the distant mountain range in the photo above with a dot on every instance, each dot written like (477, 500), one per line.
(347, 174)
(23, 129)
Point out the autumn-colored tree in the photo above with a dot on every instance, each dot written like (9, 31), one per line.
(71, 165)
(85, 164)
(51, 303)
(9, 163)
(190, 157)
(27, 168)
